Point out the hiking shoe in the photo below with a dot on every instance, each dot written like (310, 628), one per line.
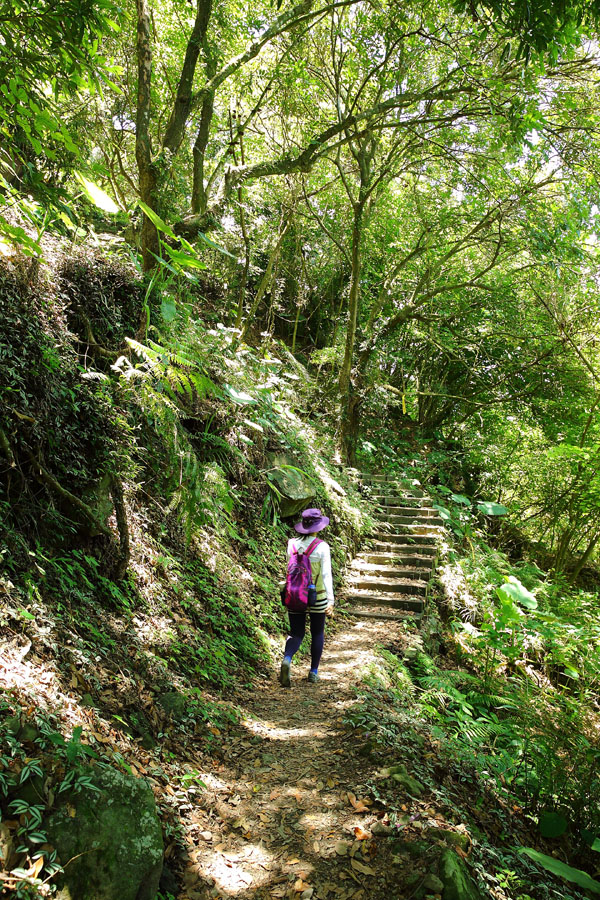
(313, 677)
(284, 674)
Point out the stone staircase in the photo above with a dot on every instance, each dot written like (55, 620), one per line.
(390, 579)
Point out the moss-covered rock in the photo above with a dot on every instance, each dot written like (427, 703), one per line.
(173, 703)
(458, 884)
(454, 838)
(295, 492)
(112, 843)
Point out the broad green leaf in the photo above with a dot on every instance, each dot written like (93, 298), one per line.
(514, 590)
(202, 237)
(582, 879)
(488, 508)
(239, 397)
(186, 260)
(156, 220)
(168, 310)
(552, 824)
(460, 498)
(253, 425)
(97, 196)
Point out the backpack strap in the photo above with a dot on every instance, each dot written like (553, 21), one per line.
(312, 546)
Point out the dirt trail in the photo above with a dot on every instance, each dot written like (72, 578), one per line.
(280, 818)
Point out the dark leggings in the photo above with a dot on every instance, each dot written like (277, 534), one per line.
(297, 631)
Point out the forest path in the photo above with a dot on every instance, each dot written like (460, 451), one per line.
(289, 813)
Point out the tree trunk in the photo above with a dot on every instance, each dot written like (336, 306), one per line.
(348, 410)
(265, 281)
(582, 561)
(181, 108)
(143, 148)
(208, 104)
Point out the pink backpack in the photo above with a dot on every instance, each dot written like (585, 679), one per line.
(299, 577)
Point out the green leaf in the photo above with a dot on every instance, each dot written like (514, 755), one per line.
(488, 508)
(156, 220)
(515, 591)
(25, 614)
(253, 425)
(582, 879)
(185, 260)
(96, 195)
(460, 498)
(214, 246)
(552, 824)
(239, 397)
(168, 310)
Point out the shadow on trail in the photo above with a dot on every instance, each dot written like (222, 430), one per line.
(287, 820)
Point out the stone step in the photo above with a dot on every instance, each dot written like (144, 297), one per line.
(408, 545)
(415, 519)
(374, 478)
(421, 512)
(422, 561)
(392, 498)
(378, 570)
(414, 529)
(386, 601)
(402, 534)
(389, 585)
(402, 502)
(375, 613)
(391, 540)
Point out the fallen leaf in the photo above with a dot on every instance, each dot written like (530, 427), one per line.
(360, 867)
(274, 794)
(341, 848)
(360, 834)
(359, 805)
(36, 868)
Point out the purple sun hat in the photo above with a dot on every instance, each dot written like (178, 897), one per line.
(313, 520)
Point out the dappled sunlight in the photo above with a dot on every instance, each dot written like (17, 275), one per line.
(321, 822)
(276, 733)
(236, 870)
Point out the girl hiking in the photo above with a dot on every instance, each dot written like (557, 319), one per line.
(317, 601)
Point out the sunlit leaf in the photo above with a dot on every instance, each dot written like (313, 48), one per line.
(168, 310)
(515, 591)
(156, 220)
(488, 508)
(460, 498)
(239, 397)
(96, 195)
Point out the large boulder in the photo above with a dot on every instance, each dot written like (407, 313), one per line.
(293, 491)
(454, 873)
(109, 839)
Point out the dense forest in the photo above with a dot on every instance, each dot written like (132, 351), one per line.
(262, 257)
